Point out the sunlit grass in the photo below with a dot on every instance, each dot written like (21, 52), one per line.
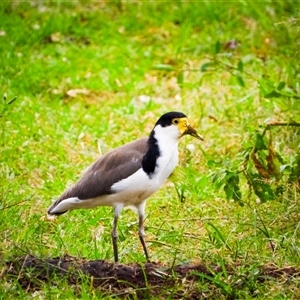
(131, 62)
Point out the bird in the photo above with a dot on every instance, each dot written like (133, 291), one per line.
(128, 175)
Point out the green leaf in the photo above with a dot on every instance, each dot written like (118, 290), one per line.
(180, 77)
(240, 80)
(295, 169)
(266, 86)
(218, 178)
(259, 142)
(281, 85)
(262, 189)
(273, 163)
(163, 67)
(232, 188)
(240, 66)
(273, 94)
(284, 167)
(202, 183)
(211, 163)
(205, 66)
(218, 47)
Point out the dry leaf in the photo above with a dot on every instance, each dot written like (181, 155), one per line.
(259, 167)
(74, 92)
(55, 37)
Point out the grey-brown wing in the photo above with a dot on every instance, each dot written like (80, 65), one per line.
(107, 170)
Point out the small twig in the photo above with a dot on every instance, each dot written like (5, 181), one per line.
(233, 68)
(15, 204)
(6, 103)
(12, 100)
(283, 124)
(265, 231)
(22, 267)
(275, 123)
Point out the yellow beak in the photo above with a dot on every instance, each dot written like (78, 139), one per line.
(191, 131)
(185, 128)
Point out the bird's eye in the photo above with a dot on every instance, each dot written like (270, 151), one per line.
(175, 121)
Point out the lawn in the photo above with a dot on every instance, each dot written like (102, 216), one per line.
(91, 76)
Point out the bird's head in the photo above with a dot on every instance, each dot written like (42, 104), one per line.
(179, 124)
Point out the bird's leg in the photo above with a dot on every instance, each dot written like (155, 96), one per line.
(142, 235)
(141, 212)
(114, 236)
(114, 233)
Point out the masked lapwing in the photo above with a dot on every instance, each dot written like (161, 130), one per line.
(127, 176)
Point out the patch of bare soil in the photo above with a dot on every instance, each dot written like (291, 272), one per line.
(121, 279)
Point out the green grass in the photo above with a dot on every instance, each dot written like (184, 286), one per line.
(176, 55)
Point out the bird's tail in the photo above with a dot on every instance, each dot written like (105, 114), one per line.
(51, 213)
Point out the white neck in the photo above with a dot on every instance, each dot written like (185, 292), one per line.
(167, 140)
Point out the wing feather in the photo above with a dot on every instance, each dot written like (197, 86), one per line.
(112, 167)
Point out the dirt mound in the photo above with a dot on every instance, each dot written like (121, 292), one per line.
(121, 279)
